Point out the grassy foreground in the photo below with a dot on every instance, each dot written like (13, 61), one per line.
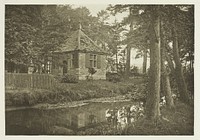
(65, 92)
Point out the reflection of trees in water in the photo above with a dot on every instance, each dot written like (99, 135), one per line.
(92, 119)
(120, 118)
(35, 121)
(85, 119)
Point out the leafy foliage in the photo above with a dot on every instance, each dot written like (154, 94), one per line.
(21, 27)
(33, 32)
(69, 78)
(113, 77)
(92, 71)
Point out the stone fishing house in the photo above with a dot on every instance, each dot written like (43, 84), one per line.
(76, 55)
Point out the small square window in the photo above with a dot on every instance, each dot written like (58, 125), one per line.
(93, 60)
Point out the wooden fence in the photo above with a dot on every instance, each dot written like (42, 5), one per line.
(23, 80)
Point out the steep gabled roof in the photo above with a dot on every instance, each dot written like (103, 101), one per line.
(80, 41)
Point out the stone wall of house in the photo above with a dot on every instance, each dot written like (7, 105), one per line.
(83, 71)
(73, 71)
(58, 70)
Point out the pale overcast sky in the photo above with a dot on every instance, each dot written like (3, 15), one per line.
(95, 8)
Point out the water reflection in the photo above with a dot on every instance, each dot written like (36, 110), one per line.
(120, 118)
(62, 121)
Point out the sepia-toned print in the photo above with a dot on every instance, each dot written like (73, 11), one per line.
(118, 69)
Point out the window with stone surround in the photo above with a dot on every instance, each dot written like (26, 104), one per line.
(70, 61)
(93, 60)
(73, 60)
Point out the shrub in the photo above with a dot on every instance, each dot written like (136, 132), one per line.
(91, 72)
(30, 99)
(25, 97)
(69, 78)
(58, 78)
(42, 95)
(113, 77)
(134, 69)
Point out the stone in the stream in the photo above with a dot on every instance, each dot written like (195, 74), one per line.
(58, 130)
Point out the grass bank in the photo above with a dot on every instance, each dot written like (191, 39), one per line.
(67, 92)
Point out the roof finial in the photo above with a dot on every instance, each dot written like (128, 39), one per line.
(80, 27)
(79, 35)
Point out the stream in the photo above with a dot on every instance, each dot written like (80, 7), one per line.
(67, 120)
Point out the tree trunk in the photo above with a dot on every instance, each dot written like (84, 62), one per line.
(184, 96)
(128, 61)
(170, 63)
(116, 61)
(144, 68)
(124, 61)
(152, 109)
(190, 62)
(166, 87)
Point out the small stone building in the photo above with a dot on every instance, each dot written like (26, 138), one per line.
(77, 54)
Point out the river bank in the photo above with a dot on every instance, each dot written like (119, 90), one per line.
(72, 95)
(47, 106)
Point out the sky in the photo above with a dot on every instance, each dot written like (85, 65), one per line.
(95, 8)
